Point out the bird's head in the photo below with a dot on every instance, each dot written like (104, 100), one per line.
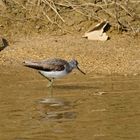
(74, 64)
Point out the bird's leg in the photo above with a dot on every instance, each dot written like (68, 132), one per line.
(51, 87)
(48, 79)
(50, 83)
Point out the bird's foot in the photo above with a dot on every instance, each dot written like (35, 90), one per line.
(49, 85)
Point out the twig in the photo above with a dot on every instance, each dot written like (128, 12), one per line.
(116, 14)
(131, 27)
(100, 6)
(38, 2)
(63, 5)
(105, 2)
(15, 1)
(120, 5)
(75, 8)
(47, 17)
(55, 10)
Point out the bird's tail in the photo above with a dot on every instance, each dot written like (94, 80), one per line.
(30, 64)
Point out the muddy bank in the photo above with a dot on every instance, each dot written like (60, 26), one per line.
(119, 55)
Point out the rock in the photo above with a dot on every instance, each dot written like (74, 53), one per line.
(3, 43)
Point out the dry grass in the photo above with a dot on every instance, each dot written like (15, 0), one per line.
(41, 15)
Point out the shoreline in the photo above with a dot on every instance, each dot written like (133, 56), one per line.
(119, 55)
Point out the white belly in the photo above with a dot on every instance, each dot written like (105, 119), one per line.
(54, 74)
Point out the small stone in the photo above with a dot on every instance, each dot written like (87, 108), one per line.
(3, 43)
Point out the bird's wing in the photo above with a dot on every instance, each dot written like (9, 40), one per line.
(47, 65)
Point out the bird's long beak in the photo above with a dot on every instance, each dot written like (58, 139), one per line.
(80, 70)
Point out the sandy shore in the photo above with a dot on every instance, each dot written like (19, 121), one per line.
(119, 55)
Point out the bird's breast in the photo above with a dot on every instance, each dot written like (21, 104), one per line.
(54, 74)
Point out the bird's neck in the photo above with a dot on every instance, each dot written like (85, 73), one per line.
(69, 68)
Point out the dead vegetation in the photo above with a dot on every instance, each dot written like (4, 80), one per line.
(28, 16)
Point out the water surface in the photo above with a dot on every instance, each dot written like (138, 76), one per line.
(82, 107)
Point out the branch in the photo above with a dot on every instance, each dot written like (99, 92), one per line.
(54, 9)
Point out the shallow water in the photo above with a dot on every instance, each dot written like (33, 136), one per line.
(82, 107)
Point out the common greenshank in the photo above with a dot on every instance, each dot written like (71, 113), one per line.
(53, 68)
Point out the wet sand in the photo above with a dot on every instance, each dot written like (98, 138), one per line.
(119, 55)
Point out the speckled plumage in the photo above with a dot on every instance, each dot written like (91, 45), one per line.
(54, 64)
